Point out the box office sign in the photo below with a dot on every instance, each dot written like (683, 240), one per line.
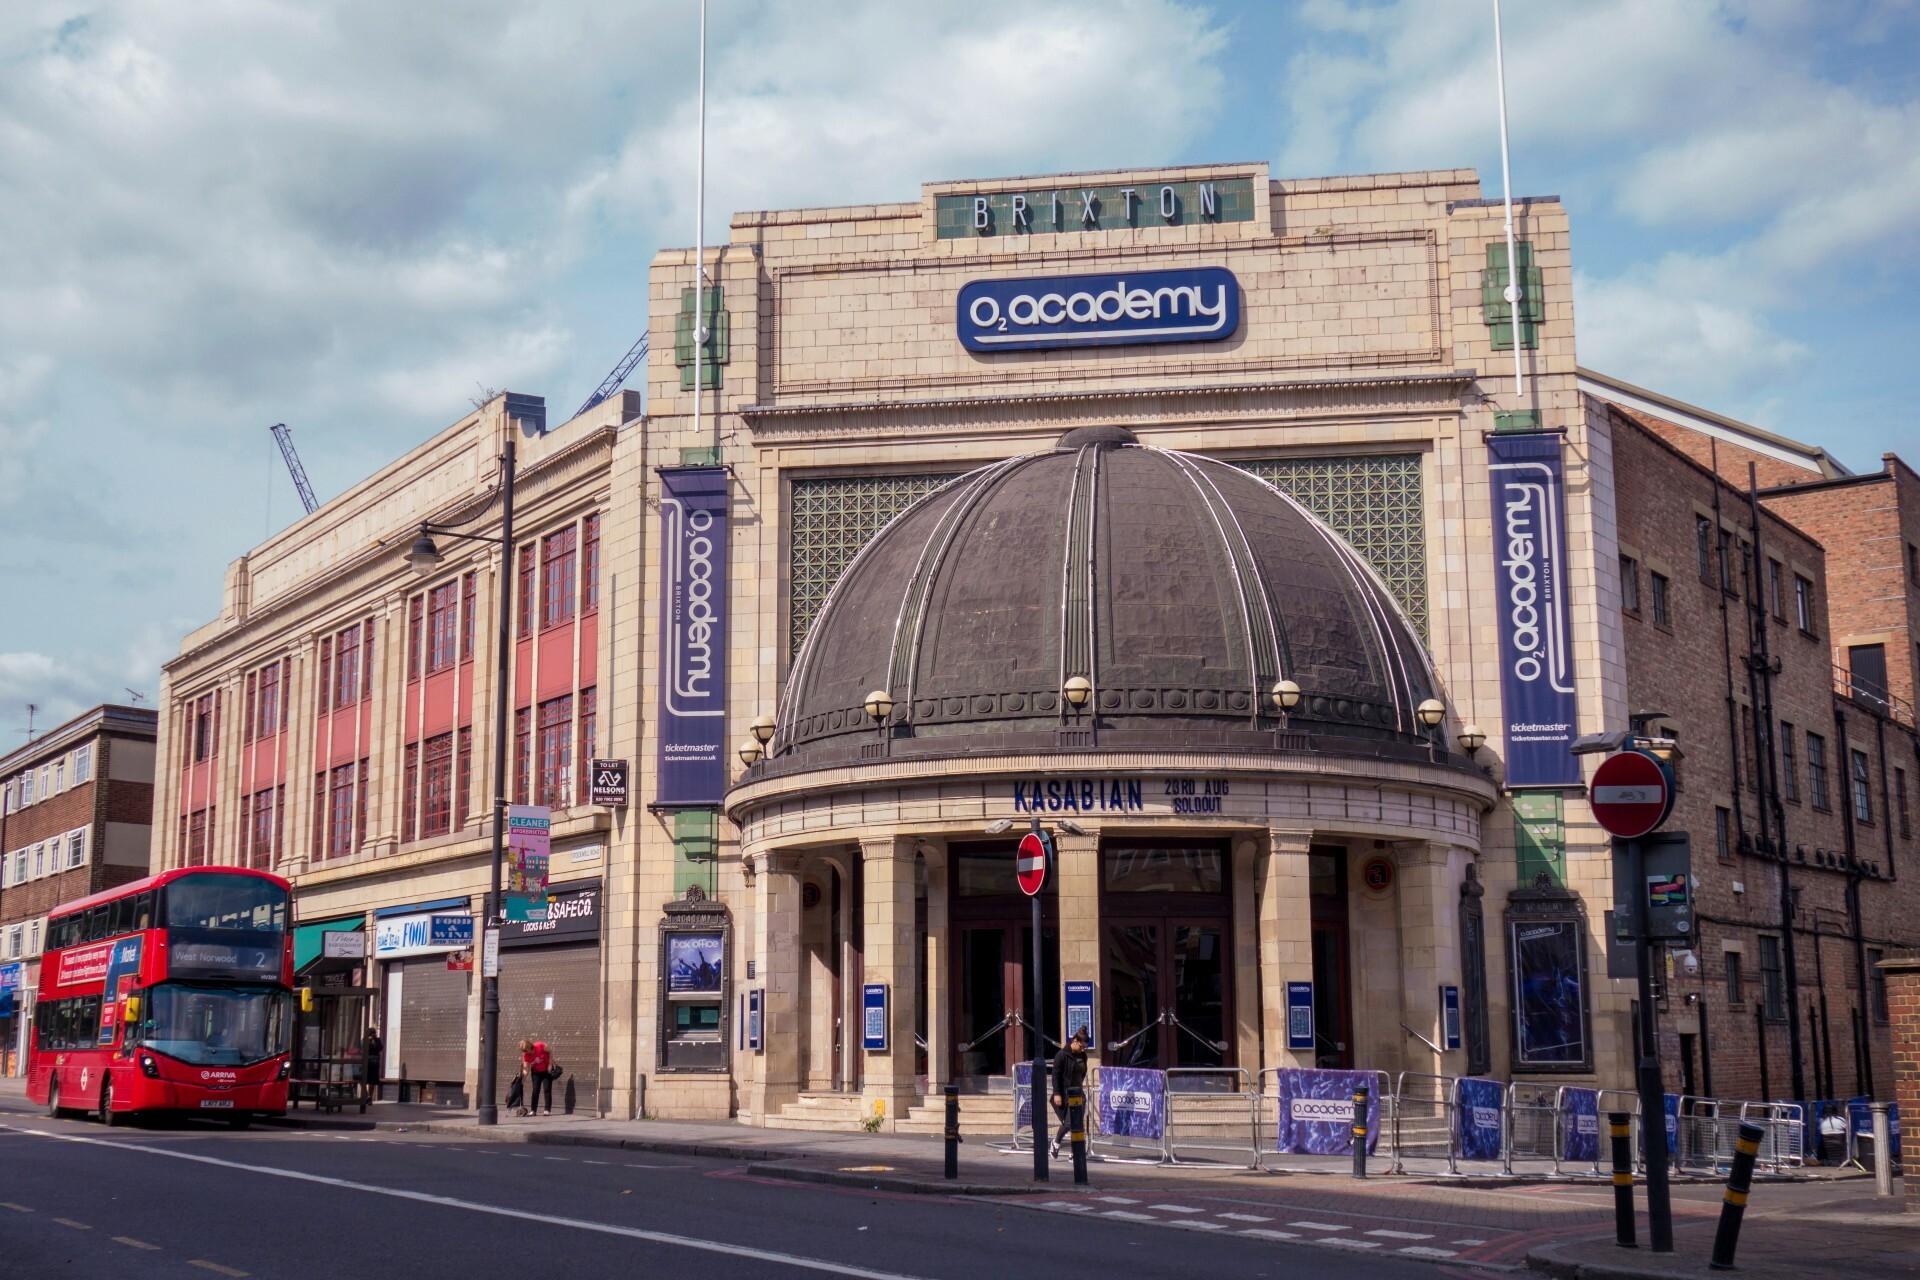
(1198, 304)
(695, 963)
(693, 636)
(1536, 663)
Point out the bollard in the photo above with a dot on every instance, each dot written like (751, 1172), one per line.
(1735, 1208)
(952, 1092)
(1077, 1130)
(1882, 1150)
(1362, 1096)
(1620, 1125)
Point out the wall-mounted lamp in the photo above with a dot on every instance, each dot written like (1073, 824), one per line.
(1431, 712)
(1285, 695)
(762, 729)
(1077, 690)
(749, 752)
(879, 705)
(1471, 739)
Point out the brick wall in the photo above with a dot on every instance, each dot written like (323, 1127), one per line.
(1903, 1003)
(1708, 451)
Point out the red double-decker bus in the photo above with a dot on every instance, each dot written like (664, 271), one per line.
(173, 993)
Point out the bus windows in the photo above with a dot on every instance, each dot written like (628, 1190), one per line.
(68, 1024)
(97, 923)
(143, 911)
(225, 902)
(120, 917)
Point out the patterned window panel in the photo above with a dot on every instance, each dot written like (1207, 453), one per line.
(832, 517)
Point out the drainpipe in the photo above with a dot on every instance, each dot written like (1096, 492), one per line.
(1845, 762)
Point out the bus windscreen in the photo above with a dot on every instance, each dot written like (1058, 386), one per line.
(215, 1026)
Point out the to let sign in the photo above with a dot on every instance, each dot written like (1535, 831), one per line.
(1036, 851)
(608, 783)
(1631, 795)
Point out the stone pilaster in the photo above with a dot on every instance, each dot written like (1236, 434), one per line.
(1429, 897)
(1285, 940)
(890, 948)
(1078, 887)
(776, 923)
(938, 944)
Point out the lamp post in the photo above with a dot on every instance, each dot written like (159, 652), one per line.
(425, 557)
(1285, 696)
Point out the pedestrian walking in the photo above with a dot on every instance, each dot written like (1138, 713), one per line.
(371, 1049)
(536, 1065)
(1069, 1072)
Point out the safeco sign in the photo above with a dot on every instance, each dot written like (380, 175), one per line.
(1197, 305)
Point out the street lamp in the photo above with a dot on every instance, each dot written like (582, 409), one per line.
(1285, 696)
(762, 729)
(1077, 690)
(1431, 712)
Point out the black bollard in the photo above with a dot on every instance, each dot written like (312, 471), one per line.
(1362, 1096)
(952, 1092)
(1620, 1125)
(1727, 1238)
(1077, 1130)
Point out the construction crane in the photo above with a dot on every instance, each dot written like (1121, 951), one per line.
(618, 376)
(299, 473)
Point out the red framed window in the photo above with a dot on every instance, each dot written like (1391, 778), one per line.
(319, 849)
(273, 679)
(463, 778)
(443, 624)
(366, 660)
(340, 811)
(437, 764)
(556, 752)
(346, 667)
(279, 821)
(522, 753)
(199, 832)
(468, 593)
(590, 563)
(529, 590)
(589, 732)
(559, 565)
(205, 722)
(415, 606)
(247, 722)
(410, 792)
(263, 829)
(326, 675)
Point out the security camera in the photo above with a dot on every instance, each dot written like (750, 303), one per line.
(1690, 963)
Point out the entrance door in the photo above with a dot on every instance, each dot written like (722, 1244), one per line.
(1332, 984)
(992, 923)
(1168, 981)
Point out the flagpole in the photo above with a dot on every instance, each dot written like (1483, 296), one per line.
(1513, 293)
(700, 334)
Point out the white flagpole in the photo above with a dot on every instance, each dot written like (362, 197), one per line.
(1513, 292)
(700, 334)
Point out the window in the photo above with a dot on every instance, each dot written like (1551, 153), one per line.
(60, 775)
(16, 941)
(1900, 803)
(529, 596)
(251, 713)
(559, 565)
(1773, 983)
(467, 591)
(201, 726)
(260, 815)
(438, 767)
(1723, 833)
(1747, 745)
(33, 938)
(199, 833)
(40, 859)
(1629, 584)
(1803, 603)
(1867, 673)
(1817, 772)
(1789, 768)
(522, 753)
(326, 675)
(1735, 996)
(265, 715)
(1728, 582)
(1703, 546)
(26, 788)
(556, 753)
(76, 850)
(1913, 564)
(1662, 609)
(589, 733)
(462, 777)
(346, 667)
(590, 563)
(415, 608)
(340, 824)
(410, 792)
(1862, 791)
(1876, 985)
(443, 622)
(1776, 592)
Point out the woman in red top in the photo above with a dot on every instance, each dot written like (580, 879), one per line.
(536, 1065)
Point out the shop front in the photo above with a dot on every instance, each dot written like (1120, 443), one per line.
(425, 954)
(552, 989)
(15, 1002)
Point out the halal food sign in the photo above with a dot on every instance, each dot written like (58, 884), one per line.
(1200, 304)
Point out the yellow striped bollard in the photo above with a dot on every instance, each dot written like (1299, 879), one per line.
(1620, 1126)
(1738, 1181)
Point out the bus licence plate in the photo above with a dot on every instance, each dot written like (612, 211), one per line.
(217, 1102)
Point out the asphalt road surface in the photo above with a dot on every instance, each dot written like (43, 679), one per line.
(196, 1202)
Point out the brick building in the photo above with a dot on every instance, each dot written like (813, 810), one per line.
(76, 809)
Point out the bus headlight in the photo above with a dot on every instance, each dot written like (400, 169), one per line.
(148, 1067)
(286, 1067)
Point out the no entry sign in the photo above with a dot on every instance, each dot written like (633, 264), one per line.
(1631, 795)
(1036, 851)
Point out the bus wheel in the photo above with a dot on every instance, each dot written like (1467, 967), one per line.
(53, 1098)
(240, 1120)
(106, 1102)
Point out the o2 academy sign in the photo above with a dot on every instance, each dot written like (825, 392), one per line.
(1200, 304)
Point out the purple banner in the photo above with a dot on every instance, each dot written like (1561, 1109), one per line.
(1478, 1104)
(1580, 1124)
(1133, 1102)
(1536, 661)
(693, 637)
(1315, 1111)
(1023, 1102)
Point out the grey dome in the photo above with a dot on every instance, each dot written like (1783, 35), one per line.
(1181, 587)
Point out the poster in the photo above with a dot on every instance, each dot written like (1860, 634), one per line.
(694, 963)
(693, 637)
(873, 1013)
(1079, 1003)
(1536, 660)
(1549, 993)
(529, 842)
(1300, 1016)
(1314, 1111)
(1580, 1125)
(1478, 1104)
(1133, 1102)
(123, 975)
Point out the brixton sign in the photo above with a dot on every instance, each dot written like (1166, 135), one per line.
(1199, 304)
(1631, 795)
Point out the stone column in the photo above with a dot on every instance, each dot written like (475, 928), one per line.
(1244, 955)
(776, 924)
(890, 947)
(939, 965)
(1429, 901)
(1285, 940)
(1078, 887)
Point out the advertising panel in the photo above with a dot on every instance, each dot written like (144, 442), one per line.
(1300, 1017)
(1549, 994)
(1536, 661)
(529, 848)
(1479, 1103)
(693, 636)
(873, 1017)
(694, 963)
(1133, 1102)
(1079, 1005)
(1315, 1111)
(123, 974)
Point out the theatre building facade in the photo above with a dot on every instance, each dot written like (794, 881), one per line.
(1201, 520)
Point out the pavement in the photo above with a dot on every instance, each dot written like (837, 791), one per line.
(1561, 1228)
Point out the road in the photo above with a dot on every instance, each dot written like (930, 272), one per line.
(189, 1201)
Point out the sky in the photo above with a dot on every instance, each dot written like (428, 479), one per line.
(351, 216)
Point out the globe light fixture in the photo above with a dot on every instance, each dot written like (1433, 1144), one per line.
(1431, 712)
(1285, 695)
(762, 729)
(1077, 690)
(879, 705)
(749, 752)
(1471, 739)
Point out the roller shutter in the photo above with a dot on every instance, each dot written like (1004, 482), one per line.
(568, 978)
(432, 1044)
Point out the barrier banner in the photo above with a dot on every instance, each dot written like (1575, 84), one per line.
(1314, 1115)
(1133, 1102)
(1862, 1118)
(1673, 1130)
(1022, 1102)
(1478, 1104)
(1580, 1124)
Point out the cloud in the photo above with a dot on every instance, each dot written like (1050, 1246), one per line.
(1685, 340)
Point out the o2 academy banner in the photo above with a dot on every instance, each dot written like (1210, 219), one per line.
(1536, 662)
(693, 636)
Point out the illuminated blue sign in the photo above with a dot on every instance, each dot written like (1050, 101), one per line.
(1201, 304)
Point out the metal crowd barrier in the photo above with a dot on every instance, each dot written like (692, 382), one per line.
(1424, 1119)
(1126, 1147)
(1710, 1128)
(1533, 1124)
(1212, 1109)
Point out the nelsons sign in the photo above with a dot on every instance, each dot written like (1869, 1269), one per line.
(1200, 304)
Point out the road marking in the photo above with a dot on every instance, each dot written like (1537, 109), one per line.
(1245, 1217)
(1175, 1208)
(1469, 1242)
(1422, 1251)
(1116, 1200)
(1130, 1217)
(1350, 1244)
(1401, 1235)
(561, 1159)
(1198, 1226)
(1067, 1204)
(137, 1244)
(596, 1162)
(17, 1208)
(1317, 1226)
(69, 1222)
(499, 1211)
(214, 1266)
(1265, 1234)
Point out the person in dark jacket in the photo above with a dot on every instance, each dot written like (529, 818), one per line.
(1069, 1072)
